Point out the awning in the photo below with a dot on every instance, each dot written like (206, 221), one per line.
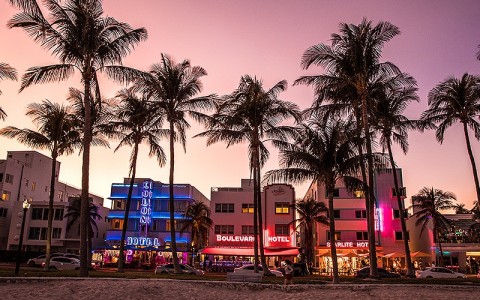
(247, 251)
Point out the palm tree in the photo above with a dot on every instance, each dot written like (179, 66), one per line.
(134, 123)
(353, 69)
(173, 87)
(310, 212)
(196, 220)
(461, 209)
(393, 126)
(252, 114)
(427, 205)
(73, 216)
(6, 72)
(457, 100)
(56, 133)
(325, 152)
(77, 33)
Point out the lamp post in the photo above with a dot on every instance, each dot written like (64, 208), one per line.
(26, 206)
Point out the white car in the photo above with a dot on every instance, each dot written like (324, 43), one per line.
(438, 272)
(251, 268)
(186, 269)
(39, 260)
(63, 263)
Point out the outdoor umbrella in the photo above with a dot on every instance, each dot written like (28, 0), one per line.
(420, 254)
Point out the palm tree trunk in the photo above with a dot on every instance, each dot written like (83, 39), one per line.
(173, 242)
(333, 246)
(474, 167)
(133, 169)
(255, 216)
(440, 263)
(85, 203)
(263, 260)
(408, 258)
(50, 208)
(371, 195)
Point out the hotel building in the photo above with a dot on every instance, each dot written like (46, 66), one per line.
(148, 227)
(231, 239)
(351, 223)
(25, 175)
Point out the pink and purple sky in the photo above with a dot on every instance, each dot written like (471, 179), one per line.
(264, 38)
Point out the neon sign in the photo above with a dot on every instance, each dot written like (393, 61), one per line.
(234, 238)
(378, 219)
(142, 241)
(145, 204)
(349, 244)
(279, 239)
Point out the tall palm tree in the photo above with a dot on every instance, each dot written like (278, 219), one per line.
(73, 216)
(461, 209)
(56, 133)
(353, 67)
(197, 221)
(325, 152)
(309, 212)
(252, 114)
(457, 100)
(134, 123)
(393, 126)
(6, 72)
(84, 40)
(172, 87)
(427, 205)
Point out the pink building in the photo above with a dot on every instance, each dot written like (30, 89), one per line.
(231, 239)
(351, 224)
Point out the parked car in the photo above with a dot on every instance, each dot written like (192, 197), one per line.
(63, 263)
(365, 272)
(39, 260)
(72, 255)
(438, 272)
(251, 268)
(186, 269)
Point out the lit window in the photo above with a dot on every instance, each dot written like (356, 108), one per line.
(5, 196)
(34, 184)
(338, 235)
(359, 194)
(282, 208)
(247, 208)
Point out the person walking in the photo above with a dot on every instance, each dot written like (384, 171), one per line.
(288, 273)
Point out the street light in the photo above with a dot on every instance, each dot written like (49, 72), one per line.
(26, 206)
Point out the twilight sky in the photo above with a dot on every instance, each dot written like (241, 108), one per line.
(264, 38)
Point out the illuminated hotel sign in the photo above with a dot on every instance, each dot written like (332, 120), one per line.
(142, 241)
(145, 204)
(279, 239)
(234, 238)
(350, 244)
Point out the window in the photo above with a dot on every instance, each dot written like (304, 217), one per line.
(282, 229)
(362, 236)
(37, 213)
(34, 184)
(56, 232)
(399, 236)
(396, 214)
(359, 194)
(402, 190)
(224, 229)
(9, 178)
(58, 214)
(6, 195)
(360, 214)
(117, 224)
(178, 226)
(224, 208)
(338, 235)
(247, 229)
(60, 195)
(3, 212)
(180, 205)
(247, 208)
(336, 193)
(1, 177)
(336, 214)
(282, 208)
(37, 233)
(26, 182)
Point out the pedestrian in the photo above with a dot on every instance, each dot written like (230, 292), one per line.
(288, 273)
(433, 264)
